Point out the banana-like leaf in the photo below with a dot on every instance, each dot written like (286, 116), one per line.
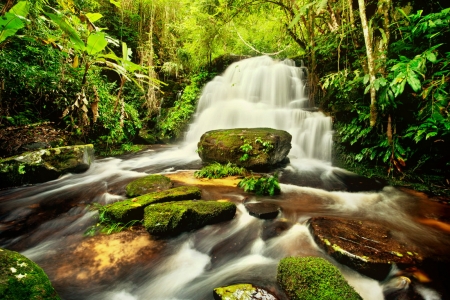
(94, 16)
(96, 43)
(74, 37)
(13, 20)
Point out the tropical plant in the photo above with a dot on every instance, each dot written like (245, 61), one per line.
(217, 170)
(263, 185)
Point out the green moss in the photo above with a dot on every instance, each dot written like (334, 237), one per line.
(236, 292)
(133, 209)
(148, 184)
(313, 278)
(20, 278)
(172, 218)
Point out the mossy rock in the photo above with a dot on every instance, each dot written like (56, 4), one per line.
(242, 291)
(313, 278)
(172, 218)
(20, 278)
(148, 184)
(252, 148)
(45, 165)
(133, 209)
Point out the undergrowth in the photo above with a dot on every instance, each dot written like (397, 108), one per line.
(106, 225)
(264, 185)
(217, 170)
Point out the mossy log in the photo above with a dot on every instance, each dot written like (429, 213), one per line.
(148, 184)
(133, 209)
(172, 218)
(313, 278)
(21, 278)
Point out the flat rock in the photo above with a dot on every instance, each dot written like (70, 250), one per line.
(45, 164)
(148, 184)
(242, 291)
(172, 218)
(252, 148)
(263, 210)
(367, 247)
(133, 209)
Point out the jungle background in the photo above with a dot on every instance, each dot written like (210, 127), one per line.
(123, 73)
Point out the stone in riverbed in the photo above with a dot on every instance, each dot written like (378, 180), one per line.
(311, 278)
(263, 210)
(21, 278)
(172, 218)
(45, 165)
(148, 184)
(133, 209)
(364, 246)
(242, 291)
(252, 148)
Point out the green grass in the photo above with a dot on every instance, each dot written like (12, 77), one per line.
(217, 170)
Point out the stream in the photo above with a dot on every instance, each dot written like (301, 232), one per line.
(46, 222)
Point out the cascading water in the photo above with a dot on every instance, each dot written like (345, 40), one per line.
(262, 92)
(256, 92)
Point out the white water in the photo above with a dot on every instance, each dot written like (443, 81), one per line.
(257, 92)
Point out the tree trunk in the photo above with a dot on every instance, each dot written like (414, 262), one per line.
(370, 62)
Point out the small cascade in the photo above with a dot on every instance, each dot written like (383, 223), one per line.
(262, 92)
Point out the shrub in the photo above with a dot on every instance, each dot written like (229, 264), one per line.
(264, 185)
(217, 170)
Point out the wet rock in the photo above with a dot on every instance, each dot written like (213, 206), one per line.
(274, 228)
(172, 218)
(263, 210)
(133, 209)
(253, 148)
(313, 278)
(357, 183)
(45, 165)
(365, 246)
(242, 291)
(20, 278)
(148, 184)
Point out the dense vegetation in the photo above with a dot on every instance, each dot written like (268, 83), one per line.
(107, 70)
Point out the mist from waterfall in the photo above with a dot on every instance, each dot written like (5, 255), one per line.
(262, 92)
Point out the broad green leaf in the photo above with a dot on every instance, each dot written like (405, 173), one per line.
(22, 8)
(94, 16)
(74, 37)
(431, 57)
(295, 20)
(413, 81)
(116, 3)
(9, 25)
(383, 34)
(430, 134)
(366, 78)
(96, 43)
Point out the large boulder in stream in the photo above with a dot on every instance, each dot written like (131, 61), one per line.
(133, 209)
(21, 278)
(148, 184)
(172, 218)
(365, 246)
(252, 148)
(45, 164)
(313, 278)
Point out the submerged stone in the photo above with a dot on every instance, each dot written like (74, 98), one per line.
(148, 184)
(133, 209)
(20, 278)
(313, 278)
(364, 246)
(45, 165)
(172, 218)
(263, 210)
(242, 291)
(253, 148)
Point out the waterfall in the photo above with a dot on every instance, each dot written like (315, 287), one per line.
(262, 92)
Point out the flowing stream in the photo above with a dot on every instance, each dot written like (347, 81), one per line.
(46, 222)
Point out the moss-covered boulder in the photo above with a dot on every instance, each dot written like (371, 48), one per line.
(20, 278)
(45, 164)
(242, 291)
(172, 218)
(313, 278)
(365, 246)
(252, 148)
(148, 184)
(133, 209)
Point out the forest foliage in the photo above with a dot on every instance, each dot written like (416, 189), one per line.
(106, 70)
